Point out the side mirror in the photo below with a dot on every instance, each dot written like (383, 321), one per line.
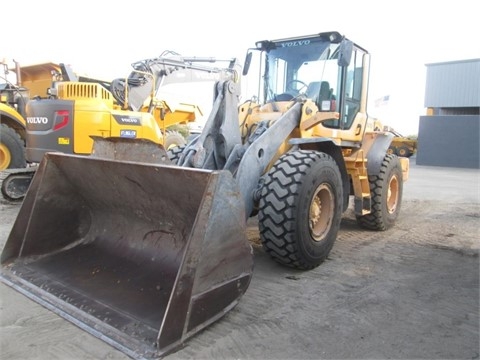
(246, 65)
(345, 53)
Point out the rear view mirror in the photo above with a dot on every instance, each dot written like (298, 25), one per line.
(345, 53)
(246, 65)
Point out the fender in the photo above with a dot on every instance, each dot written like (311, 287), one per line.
(327, 146)
(377, 152)
(10, 115)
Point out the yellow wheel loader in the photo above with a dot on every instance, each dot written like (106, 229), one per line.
(78, 109)
(402, 145)
(144, 248)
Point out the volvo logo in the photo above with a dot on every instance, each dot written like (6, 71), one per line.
(127, 120)
(295, 43)
(37, 120)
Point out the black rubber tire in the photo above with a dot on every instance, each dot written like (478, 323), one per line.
(403, 151)
(286, 203)
(175, 152)
(174, 139)
(12, 147)
(386, 190)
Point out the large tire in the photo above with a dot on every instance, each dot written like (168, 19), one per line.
(175, 152)
(174, 139)
(386, 190)
(12, 149)
(300, 208)
(404, 151)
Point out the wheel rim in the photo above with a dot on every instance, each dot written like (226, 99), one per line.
(392, 196)
(5, 157)
(402, 152)
(321, 212)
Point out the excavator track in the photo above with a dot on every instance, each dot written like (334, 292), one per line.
(15, 182)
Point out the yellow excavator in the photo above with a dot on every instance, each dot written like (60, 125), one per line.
(79, 108)
(17, 86)
(144, 247)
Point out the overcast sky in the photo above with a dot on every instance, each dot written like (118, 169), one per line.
(102, 38)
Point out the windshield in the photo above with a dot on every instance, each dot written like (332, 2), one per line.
(307, 67)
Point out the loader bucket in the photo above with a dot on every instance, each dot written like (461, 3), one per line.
(141, 255)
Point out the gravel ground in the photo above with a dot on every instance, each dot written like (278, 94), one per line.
(409, 293)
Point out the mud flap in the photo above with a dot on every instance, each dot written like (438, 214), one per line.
(141, 255)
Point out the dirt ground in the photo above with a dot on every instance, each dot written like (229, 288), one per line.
(409, 293)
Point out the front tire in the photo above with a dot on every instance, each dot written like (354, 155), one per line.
(386, 190)
(300, 208)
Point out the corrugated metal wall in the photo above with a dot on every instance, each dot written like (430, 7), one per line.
(451, 137)
(453, 84)
(451, 141)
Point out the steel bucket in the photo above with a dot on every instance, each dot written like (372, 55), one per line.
(141, 255)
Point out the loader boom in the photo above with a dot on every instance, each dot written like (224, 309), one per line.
(219, 147)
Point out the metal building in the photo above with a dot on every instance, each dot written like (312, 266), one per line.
(449, 135)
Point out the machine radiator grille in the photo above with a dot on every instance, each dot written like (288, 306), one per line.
(72, 90)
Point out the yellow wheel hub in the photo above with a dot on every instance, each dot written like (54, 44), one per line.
(321, 212)
(392, 196)
(5, 157)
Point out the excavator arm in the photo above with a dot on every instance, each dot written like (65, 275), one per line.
(148, 75)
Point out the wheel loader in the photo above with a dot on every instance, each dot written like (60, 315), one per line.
(78, 108)
(144, 247)
(401, 146)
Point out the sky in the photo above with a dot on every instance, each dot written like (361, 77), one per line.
(103, 38)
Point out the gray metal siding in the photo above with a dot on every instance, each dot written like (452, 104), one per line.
(453, 84)
(451, 141)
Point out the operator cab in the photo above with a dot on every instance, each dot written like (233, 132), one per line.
(326, 68)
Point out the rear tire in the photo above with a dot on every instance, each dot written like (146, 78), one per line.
(12, 149)
(386, 190)
(300, 208)
(404, 151)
